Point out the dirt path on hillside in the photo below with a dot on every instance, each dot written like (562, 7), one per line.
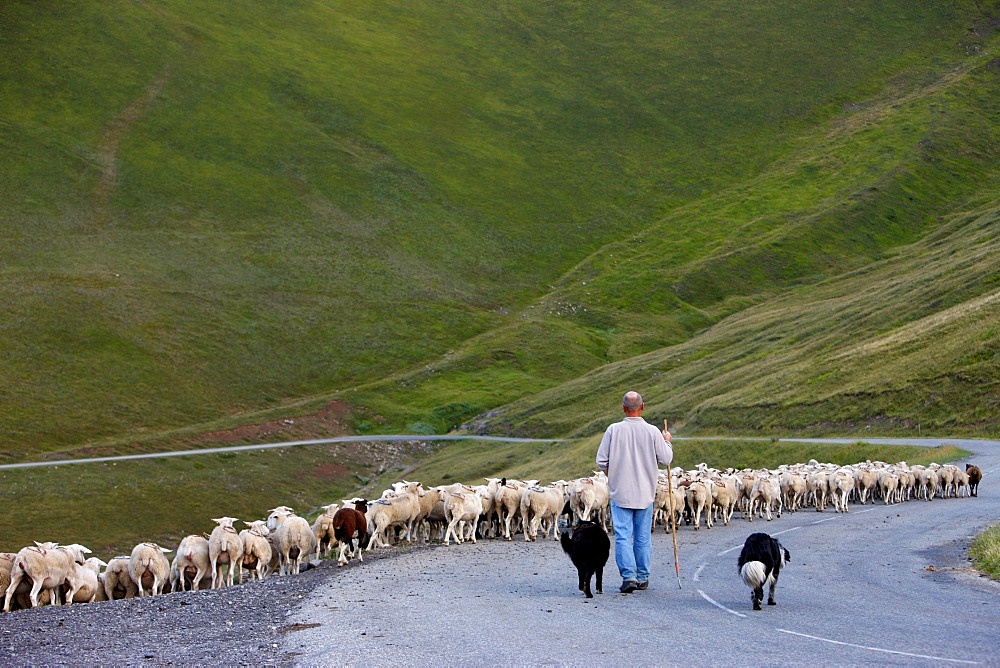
(116, 130)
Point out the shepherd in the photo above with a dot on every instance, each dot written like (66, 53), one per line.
(628, 455)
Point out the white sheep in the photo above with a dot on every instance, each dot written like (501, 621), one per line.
(461, 508)
(293, 541)
(840, 484)
(765, 496)
(225, 550)
(928, 481)
(724, 496)
(430, 513)
(589, 496)
(256, 549)
(149, 569)
(865, 483)
(492, 519)
(118, 583)
(507, 503)
(541, 504)
(87, 586)
(20, 600)
(817, 485)
(322, 529)
(793, 489)
(662, 501)
(48, 566)
(699, 498)
(888, 482)
(191, 563)
(396, 509)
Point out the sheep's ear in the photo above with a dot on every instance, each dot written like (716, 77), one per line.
(217, 520)
(163, 549)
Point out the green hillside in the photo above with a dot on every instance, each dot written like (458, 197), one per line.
(768, 216)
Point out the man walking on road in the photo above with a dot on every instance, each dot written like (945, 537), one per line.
(629, 453)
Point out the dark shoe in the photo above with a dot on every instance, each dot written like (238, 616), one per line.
(643, 586)
(628, 586)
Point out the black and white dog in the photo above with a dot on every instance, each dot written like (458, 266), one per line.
(588, 548)
(760, 563)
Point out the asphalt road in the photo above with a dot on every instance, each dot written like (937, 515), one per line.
(879, 585)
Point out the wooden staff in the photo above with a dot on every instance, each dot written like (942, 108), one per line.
(673, 519)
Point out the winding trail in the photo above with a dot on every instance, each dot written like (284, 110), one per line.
(271, 446)
(116, 131)
(927, 442)
(886, 585)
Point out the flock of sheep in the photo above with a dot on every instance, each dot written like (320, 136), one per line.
(49, 573)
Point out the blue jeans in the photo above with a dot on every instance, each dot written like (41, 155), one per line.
(633, 548)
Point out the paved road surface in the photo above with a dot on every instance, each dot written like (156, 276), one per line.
(859, 590)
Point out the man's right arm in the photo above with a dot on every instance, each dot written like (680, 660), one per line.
(664, 448)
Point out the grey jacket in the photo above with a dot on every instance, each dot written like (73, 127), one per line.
(629, 452)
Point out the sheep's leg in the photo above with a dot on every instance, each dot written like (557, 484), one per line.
(15, 580)
(371, 541)
(506, 525)
(342, 559)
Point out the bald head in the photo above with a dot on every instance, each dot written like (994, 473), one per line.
(632, 402)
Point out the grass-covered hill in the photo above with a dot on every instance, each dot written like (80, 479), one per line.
(766, 216)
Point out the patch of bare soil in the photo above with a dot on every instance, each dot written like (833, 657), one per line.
(330, 421)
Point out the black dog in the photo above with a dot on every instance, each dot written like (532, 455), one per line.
(589, 548)
(760, 563)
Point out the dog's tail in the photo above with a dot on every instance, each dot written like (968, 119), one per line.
(753, 574)
(567, 542)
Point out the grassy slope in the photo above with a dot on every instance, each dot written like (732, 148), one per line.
(245, 204)
(904, 339)
(909, 343)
